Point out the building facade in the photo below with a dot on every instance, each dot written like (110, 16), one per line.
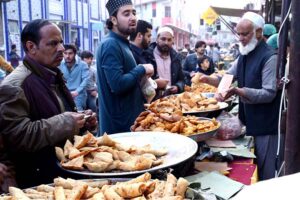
(80, 21)
(167, 13)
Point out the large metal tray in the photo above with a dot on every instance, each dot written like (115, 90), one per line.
(180, 148)
(208, 113)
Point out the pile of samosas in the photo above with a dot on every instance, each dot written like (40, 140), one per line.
(141, 187)
(189, 102)
(198, 87)
(104, 155)
(172, 120)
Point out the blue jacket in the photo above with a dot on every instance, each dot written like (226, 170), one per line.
(77, 80)
(120, 96)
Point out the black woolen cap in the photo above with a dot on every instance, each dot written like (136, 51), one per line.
(113, 5)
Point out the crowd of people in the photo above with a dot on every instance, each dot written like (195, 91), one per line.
(45, 99)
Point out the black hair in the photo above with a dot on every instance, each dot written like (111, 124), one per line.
(86, 54)
(201, 60)
(71, 46)
(199, 44)
(13, 46)
(109, 23)
(31, 32)
(142, 27)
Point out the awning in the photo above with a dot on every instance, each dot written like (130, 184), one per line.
(97, 26)
(231, 12)
(180, 29)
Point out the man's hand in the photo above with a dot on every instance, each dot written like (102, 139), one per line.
(94, 93)
(78, 118)
(74, 94)
(192, 73)
(204, 79)
(91, 121)
(235, 90)
(149, 69)
(161, 83)
(173, 89)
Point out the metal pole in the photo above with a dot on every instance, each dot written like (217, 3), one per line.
(283, 40)
(292, 143)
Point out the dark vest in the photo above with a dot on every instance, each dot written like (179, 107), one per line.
(260, 119)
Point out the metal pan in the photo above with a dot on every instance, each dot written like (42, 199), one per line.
(208, 113)
(180, 148)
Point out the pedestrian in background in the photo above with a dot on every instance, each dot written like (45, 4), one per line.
(76, 73)
(13, 56)
(91, 89)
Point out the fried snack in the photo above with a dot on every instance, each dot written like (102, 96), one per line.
(65, 183)
(96, 166)
(110, 193)
(181, 187)
(130, 190)
(60, 154)
(142, 178)
(74, 164)
(77, 191)
(16, 193)
(142, 188)
(98, 196)
(170, 186)
(110, 155)
(45, 188)
(158, 191)
(106, 141)
(67, 146)
(81, 141)
(103, 157)
(187, 125)
(59, 193)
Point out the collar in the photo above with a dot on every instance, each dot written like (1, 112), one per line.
(118, 37)
(77, 61)
(136, 49)
(48, 74)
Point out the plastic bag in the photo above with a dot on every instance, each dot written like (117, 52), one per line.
(148, 88)
(231, 127)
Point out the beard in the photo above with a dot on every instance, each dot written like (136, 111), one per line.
(127, 31)
(163, 48)
(244, 50)
(144, 44)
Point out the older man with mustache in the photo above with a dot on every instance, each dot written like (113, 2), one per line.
(37, 110)
(255, 72)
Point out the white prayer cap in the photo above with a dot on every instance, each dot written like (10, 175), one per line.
(255, 18)
(165, 29)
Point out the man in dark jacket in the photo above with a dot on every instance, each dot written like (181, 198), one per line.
(255, 72)
(166, 62)
(140, 40)
(37, 110)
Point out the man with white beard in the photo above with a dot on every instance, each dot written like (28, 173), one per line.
(259, 99)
